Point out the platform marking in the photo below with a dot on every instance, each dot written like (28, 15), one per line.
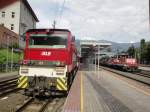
(81, 93)
(140, 90)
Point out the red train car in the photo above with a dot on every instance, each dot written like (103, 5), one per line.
(50, 61)
(127, 63)
(122, 61)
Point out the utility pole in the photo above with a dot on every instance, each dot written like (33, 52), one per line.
(117, 53)
(54, 24)
(12, 59)
(95, 61)
(149, 14)
(94, 46)
(7, 53)
(98, 58)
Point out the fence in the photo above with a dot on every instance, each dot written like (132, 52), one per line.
(8, 67)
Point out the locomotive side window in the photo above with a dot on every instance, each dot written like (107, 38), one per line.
(48, 40)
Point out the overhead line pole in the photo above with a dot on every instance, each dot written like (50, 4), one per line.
(98, 58)
(12, 51)
(54, 24)
(62, 9)
(149, 13)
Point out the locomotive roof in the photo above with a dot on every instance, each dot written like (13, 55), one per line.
(43, 30)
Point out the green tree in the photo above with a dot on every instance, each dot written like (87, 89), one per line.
(137, 54)
(131, 51)
(147, 53)
(142, 51)
(3, 56)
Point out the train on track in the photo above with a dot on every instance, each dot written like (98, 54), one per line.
(121, 61)
(50, 62)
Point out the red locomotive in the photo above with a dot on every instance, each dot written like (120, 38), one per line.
(50, 61)
(121, 61)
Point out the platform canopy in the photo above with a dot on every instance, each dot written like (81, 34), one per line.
(89, 47)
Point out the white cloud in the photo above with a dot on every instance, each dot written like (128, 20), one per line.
(115, 20)
(64, 24)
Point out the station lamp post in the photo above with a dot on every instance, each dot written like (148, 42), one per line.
(98, 57)
(7, 52)
(95, 61)
(12, 50)
(94, 47)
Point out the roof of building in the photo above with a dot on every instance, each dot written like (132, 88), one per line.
(8, 31)
(43, 30)
(31, 10)
(5, 3)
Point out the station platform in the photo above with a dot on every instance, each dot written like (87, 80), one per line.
(9, 75)
(104, 92)
(144, 68)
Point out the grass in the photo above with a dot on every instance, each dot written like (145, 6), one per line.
(3, 56)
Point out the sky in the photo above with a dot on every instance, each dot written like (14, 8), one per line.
(113, 20)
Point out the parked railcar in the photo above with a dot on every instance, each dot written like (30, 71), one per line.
(50, 62)
(122, 62)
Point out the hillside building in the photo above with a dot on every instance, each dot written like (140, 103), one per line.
(8, 37)
(18, 16)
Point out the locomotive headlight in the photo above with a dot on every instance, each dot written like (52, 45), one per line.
(60, 63)
(125, 65)
(59, 71)
(24, 71)
(40, 63)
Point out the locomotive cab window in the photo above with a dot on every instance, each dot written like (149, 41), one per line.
(48, 40)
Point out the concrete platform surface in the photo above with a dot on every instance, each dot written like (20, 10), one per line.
(103, 92)
(9, 75)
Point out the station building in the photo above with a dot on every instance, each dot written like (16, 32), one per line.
(93, 49)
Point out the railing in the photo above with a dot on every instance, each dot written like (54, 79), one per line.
(4, 67)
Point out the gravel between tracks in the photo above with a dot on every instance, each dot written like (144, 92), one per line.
(10, 102)
(56, 105)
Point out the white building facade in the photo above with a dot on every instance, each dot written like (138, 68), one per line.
(18, 17)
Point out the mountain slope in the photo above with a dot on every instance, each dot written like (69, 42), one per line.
(121, 46)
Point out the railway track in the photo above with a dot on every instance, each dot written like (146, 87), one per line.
(34, 105)
(143, 74)
(140, 77)
(8, 85)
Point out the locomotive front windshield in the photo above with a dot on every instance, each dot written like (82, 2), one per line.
(48, 40)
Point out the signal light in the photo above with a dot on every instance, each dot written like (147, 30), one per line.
(60, 63)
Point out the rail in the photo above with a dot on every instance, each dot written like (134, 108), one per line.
(31, 101)
(22, 107)
(8, 85)
(137, 77)
(142, 74)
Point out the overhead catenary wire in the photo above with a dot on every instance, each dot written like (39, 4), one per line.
(62, 10)
(59, 13)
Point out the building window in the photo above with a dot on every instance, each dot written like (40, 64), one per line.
(3, 14)
(13, 15)
(12, 26)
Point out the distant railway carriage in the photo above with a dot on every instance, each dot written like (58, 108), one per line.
(50, 61)
(122, 61)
